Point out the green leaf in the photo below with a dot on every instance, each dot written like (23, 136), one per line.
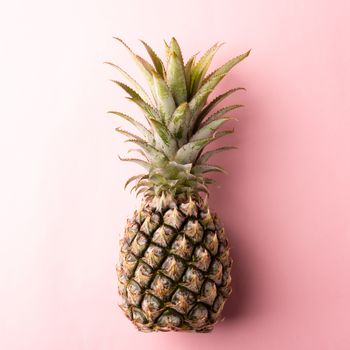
(209, 181)
(141, 162)
(217, 115)
(223, 133)
(225, 68)
(175, 47)
(150, 112)
(165, 101)
(197, 103)
(137, 87)
(157, 62)
(145, 132)
(202, 188)
(127, 89)
(167, 52)
(217, 135)
(158, 179)
(209, 83)
(214, 103)
(137, 150)
(179, 122)
(206, 168)
(154, 155)
(189, 152)
(208, 129)
(176, 78)
(205, 157)
(164, 140)
(143, 181)
(176, 172)
(188, 72)
(201, 68)
(128, 134)
(132, 179)
(144, 66)
(175, 168)
(141, 190)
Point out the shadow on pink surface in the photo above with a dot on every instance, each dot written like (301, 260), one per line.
(226, 199)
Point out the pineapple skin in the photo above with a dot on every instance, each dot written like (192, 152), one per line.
(174, 268)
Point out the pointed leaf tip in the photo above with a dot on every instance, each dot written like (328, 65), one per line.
(165, 100)
(157, 62)
(176, 78)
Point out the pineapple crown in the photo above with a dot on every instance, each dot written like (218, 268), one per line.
(180, 121)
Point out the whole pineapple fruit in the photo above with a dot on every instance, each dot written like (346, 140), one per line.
(174, 270)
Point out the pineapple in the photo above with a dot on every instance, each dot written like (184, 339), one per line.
(174, 269)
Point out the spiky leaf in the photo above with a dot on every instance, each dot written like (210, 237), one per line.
(141, 162)
(206, 168)
(210, 106)
(144, 66)
(150, 112)
(154, 155)
(220, 134)
(173, 144)
(164, 140)
(225, 68)
(132, 179)
(175, 47)
(205, 157)
(189, 152)
(145, 132)
(136, 86)
(217, 115)
(167, 52)
(157, 62)
(165, 100)
(141, 190)
(199, 99)
(209, 181)
(176, 78)
(179, 122)
(128, 134)
(137, 150)
(208, 129)
(217, 135)
(201, 68)
(196, 104)
(188, 72)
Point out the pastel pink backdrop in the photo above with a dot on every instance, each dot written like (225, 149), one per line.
(285, 202)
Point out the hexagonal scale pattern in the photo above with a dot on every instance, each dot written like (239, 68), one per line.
(174, 269)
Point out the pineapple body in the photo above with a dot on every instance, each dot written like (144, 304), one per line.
(174, 269)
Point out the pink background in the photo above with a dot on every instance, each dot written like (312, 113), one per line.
(285, 202)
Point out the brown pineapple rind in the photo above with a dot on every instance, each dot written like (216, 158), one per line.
(174, 269)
